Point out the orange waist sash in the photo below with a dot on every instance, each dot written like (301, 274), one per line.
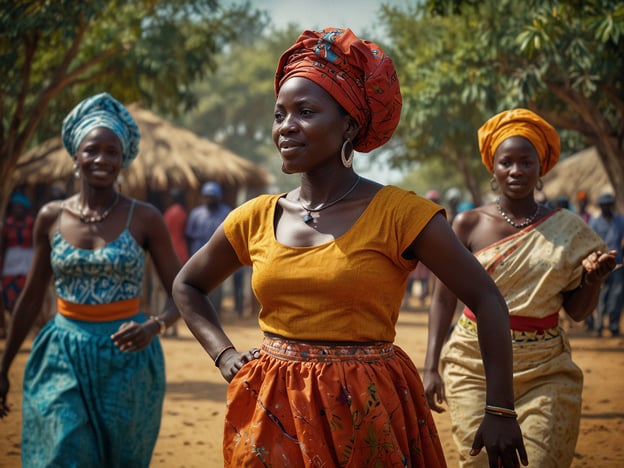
(519, 323)
(98, 312)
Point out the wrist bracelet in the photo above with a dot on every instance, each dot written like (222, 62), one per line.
(500, 411)
(161, 323)
(220, 353)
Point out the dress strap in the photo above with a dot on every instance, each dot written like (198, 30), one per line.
(130, 214)
(58, 215)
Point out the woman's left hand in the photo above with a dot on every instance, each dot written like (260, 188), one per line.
(598, 265)
(133, 336)
(502, 439)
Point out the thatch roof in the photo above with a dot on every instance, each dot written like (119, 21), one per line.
(582, 171)
(168, 157)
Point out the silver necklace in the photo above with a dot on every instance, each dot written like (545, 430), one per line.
(308, 218)
(528, 220)
(98, 218)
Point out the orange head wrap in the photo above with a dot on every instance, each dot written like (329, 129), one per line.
(524, 123)
(356, 73)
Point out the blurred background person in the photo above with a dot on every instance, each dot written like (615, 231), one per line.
(610, 227)
(16, 252)
(202, 223)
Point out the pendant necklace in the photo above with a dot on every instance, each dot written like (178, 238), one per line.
(309, 217)
(98, 218)
(528, 220)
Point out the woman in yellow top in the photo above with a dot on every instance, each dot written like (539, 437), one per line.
(541, 260)
(330, 264)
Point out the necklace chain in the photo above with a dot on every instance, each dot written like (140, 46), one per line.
(98, 218)
(308, 218)
(528, 220)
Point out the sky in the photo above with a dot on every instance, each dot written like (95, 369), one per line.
(357, 15)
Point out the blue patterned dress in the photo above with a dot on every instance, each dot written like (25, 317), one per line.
(86, 403)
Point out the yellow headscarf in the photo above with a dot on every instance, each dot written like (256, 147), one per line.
(524, 123)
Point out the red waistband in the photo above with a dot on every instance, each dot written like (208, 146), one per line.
(519, 323)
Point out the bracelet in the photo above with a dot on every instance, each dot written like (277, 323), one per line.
(500, 411)
(220, 353)
(161, 323)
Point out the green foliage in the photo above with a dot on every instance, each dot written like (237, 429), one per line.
(462, 61)
(235, 104)
(151, 51)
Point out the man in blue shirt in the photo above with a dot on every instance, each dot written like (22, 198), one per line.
(202, 222)
(610, 227)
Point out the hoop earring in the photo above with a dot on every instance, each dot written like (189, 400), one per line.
(347, 161)
(494, 185)
(76, 170)
(539, 185)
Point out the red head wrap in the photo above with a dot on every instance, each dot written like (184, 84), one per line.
(524, 123)
(356, 73)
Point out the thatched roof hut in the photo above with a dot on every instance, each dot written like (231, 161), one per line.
(168, 157)
(582, 171)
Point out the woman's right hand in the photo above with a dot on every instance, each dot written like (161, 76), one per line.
(4, 390)
(232, 361)
(434, 390)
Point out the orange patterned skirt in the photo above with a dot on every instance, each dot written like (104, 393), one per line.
(310, 405)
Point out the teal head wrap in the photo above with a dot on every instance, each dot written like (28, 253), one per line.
(101, 110)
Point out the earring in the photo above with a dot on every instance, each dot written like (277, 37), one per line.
(76, 170)
(494, 185)
(539, 185)
(347, 161)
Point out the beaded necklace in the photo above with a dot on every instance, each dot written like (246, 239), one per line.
(97, 218)
(528, 220)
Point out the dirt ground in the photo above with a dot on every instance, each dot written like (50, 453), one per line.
(192, 422)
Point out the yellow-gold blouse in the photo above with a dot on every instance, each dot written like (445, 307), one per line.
(348, 289)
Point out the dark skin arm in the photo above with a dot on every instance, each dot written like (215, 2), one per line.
(30, 301)
(204, 271)
(441, 251)
(149, 228)
(580, 302)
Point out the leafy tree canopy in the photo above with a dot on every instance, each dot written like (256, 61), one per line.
(462, 61)
(55, 53)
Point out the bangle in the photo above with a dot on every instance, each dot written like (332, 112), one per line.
(161, 323)
(220, 353)
(500, 411)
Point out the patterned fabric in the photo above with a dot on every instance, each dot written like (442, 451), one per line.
(85, 403)
(355, 282)
(524, 123)
(17, 242)
(310, 405)
(88, 404)
(11, 288)
(355, 72)
(98, 276)
(315, 406)
(101, 110)
(534, 266)
(532, 269)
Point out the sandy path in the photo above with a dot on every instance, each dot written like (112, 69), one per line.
(194, 406)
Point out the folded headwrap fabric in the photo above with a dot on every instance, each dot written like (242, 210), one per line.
(101, 110)
(355, 72)
(524, 123)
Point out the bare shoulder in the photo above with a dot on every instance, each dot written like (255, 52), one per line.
(469, 219)
(472, 222)
(146, 211)
(48, 214)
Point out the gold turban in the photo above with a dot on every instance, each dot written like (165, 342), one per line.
(524, 123)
